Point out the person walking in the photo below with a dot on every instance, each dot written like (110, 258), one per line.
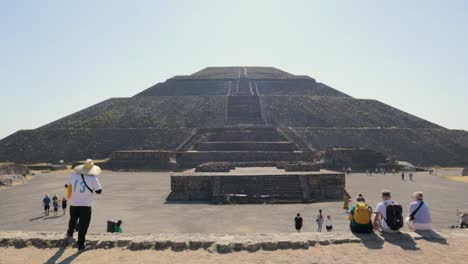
(56, 206)
(84, 183)
(64, 205)
(346, 200)
(402, 175)
(328, 223)
(298, 222)
(46, 204)
(411, 176)
(319, 221)
(419, 216)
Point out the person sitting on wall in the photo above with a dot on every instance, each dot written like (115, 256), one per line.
(419, 216)
(360, 216)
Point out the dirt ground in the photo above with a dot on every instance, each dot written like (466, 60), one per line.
(388, 252)
(138, 198)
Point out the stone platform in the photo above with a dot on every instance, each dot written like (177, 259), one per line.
(257, 185)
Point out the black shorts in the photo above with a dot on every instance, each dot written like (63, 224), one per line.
(329, 228)
(64, 207)
(46, 207)
(55, 209)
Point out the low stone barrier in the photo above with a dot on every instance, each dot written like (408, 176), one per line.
(221, 243)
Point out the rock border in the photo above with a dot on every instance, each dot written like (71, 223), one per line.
(220, 243)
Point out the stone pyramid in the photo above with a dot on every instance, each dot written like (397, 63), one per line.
(246, 114)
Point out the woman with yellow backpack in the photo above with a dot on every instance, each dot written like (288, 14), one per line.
(360, 216)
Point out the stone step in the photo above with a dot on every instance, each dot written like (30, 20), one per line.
(244, 109)
(247, 135)
(246, 145)
(194, 158)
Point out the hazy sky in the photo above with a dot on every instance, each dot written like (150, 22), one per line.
(58, 57)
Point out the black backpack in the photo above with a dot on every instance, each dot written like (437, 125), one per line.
(394, 216)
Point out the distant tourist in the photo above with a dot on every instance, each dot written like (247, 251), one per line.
(402, 175)
(360, 216)
(64, 205)
(55, 204)
(54, 198)
(118, 227)
(419, 216)
(84, 183)
(346, 200)
(319, 221)
(388, 214)
(411, 176)
(328, 223)
(46, 204)
(298, 222)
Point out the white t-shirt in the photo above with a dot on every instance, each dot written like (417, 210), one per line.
(81, 196)
(382, 209)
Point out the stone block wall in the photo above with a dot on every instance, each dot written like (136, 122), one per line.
(190, 188)
(139, 160)
(311, 187)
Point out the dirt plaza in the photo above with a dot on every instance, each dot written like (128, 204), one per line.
(139, 199)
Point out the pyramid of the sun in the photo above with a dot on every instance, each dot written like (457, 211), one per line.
(238, 114)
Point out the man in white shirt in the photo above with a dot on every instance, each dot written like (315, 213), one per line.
(84, 183)
(380, 220)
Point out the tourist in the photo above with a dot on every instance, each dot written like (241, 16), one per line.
(55, 204)
(411, 176)
(388, 214)
(54, 198)
(346, 200)
(402, 175)
(298, 222)
(84, 183)
(64, 205)
(118, 227)
(360, 216)
(46, 204)
(419, 216)
(328, 223)
(319, 221)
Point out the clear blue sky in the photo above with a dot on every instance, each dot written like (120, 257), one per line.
(58, 57)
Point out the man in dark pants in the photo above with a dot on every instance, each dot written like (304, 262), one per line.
(84, 183)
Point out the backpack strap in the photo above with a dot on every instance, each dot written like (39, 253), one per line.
(415, 211)
(91, 190)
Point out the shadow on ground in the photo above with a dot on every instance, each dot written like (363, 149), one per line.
(405, 241)
(371, 241)
(431, 236)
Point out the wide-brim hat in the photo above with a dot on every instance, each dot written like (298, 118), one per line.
(88, 168)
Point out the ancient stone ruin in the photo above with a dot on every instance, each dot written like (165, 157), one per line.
(247, 115)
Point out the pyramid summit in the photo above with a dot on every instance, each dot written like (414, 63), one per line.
(237, 114)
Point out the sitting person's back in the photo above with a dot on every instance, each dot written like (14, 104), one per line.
(419, 215)
(360, 217)
(118, 227)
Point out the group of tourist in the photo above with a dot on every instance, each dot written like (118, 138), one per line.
(56, 204)
(320, 222)
(388, 215)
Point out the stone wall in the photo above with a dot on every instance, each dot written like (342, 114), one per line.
(191, 188)
(419, 146)
(139, 160)
(311, 111)
(52, 145)
(313, 187)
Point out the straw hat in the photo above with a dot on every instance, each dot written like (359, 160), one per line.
(88, 168)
